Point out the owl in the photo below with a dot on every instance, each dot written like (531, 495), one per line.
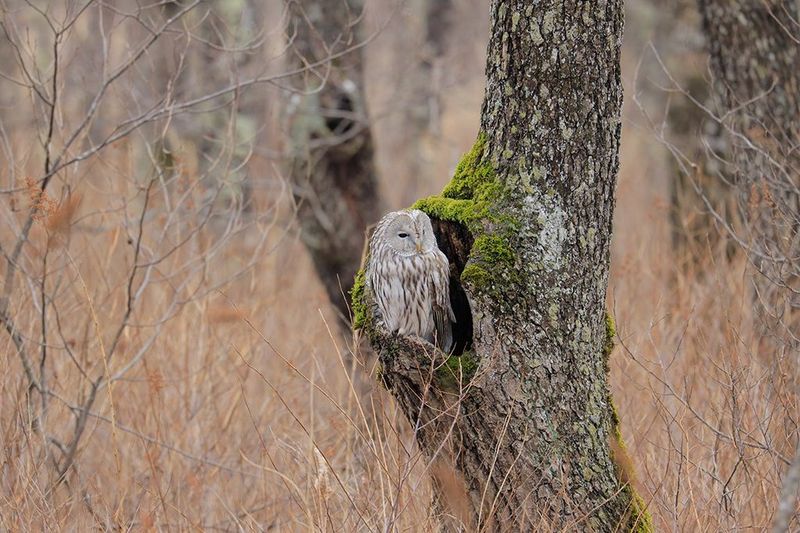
(410, 278)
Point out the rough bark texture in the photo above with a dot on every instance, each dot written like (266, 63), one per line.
(755, 60)
(524, 411)
(333, 168)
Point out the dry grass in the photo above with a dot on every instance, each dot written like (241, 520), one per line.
(241, 412)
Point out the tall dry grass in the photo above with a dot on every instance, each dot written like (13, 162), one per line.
(230, 404)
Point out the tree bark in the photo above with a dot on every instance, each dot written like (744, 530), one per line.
(522, 408)
(333, 168)
(755, 60)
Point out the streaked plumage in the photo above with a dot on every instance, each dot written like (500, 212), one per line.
(410, 278)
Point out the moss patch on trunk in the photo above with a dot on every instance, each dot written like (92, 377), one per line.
(638, 518)
(473, 199)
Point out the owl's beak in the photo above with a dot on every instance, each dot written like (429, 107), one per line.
(419, 246)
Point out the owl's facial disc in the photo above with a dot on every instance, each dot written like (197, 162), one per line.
(401, 236)
(411, 234)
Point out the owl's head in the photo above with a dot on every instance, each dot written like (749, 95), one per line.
(409, 233)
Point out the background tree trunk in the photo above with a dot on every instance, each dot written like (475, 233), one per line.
(743, 38)
(755, 60)
(522, 408)
(333, 170)
(683, 64)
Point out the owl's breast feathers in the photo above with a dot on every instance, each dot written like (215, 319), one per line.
(412, 294)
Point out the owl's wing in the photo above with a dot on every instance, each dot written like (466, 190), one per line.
(376, 258)
(443, 316)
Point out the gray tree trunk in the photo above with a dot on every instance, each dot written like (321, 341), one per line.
(755, 60)
(522, 409)
(679, 40)
(333, 168)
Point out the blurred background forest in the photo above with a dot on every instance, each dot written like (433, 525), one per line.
(171, 358)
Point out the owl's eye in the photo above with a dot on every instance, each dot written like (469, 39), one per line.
(402, 235)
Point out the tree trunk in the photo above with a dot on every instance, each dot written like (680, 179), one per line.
(333, 168)
(755, 60)
(679, 40)
(522, 407)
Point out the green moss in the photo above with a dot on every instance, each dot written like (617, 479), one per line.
(473, 173)
(489, 255)
(358, 304)
(493, 249)
(457, 371)
(455, 210)
(471, 194)
(638, 517)
(473, 198)
(608, 347)
(615, 420)
(476, 276)
(640, 520)
(611, 333)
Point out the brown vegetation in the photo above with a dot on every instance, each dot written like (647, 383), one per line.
(165, 313)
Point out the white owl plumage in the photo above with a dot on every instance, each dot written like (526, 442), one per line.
(410, 278)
